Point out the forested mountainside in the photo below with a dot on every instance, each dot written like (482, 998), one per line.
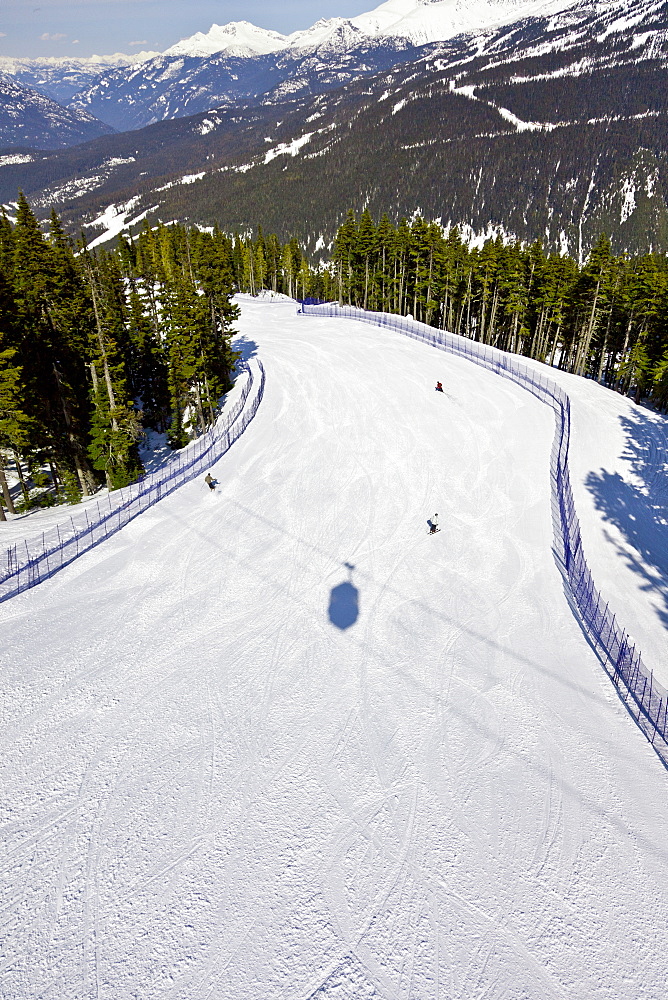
(553, 128)
(29, 119)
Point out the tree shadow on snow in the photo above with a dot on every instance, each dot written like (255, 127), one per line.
(247, 347)
(640, 510)
(344, 602)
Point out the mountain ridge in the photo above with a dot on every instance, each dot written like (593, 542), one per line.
(60, 77)
(554, 127)
(30, 119)
(239, 60)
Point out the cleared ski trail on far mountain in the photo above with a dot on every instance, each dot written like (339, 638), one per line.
(277, 742)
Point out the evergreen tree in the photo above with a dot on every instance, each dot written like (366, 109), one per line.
(115, 423)
(49, 350)
(659, 377)
(15, 424)
(149, 376)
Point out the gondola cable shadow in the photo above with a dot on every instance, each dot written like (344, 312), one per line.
(344, 602)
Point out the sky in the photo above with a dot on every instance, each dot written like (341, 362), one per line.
(35, 28)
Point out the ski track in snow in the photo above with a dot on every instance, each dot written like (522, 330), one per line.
(209, 792)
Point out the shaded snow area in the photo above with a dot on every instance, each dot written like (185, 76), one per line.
(619, 473)
(277, 742)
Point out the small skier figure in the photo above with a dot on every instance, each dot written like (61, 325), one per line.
(433, 525)
(439, 387)
(210, 481)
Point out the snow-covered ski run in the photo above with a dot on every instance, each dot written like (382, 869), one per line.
(273, 743)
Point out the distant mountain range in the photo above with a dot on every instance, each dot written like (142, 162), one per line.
(239, 61)
(549, 121)
(60, 78)
(29, 118)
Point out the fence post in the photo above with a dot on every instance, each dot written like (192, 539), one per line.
(640, 701)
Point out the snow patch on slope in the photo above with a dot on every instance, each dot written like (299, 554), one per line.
(523, 126)
(115, 220)
(288, 148)
(12, 158)
(208, 125)
(186, 179)
(628, 199)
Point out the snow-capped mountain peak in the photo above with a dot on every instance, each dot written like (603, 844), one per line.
(238, 38)
(423, 21)
(326, 32)
(417, 22)
(60, 77)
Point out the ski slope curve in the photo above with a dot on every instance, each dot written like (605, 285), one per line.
(279, 742)
(30, 561)
(645, 697)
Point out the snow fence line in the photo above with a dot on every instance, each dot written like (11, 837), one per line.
(645, 699)
(25, 564)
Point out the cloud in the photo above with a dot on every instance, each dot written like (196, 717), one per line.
(144, 42)
(46, 37)
(75, 41)
(3, 34)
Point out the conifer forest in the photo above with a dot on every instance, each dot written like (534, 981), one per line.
(99, 346)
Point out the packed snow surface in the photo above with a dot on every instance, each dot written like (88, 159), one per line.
(278, 742)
